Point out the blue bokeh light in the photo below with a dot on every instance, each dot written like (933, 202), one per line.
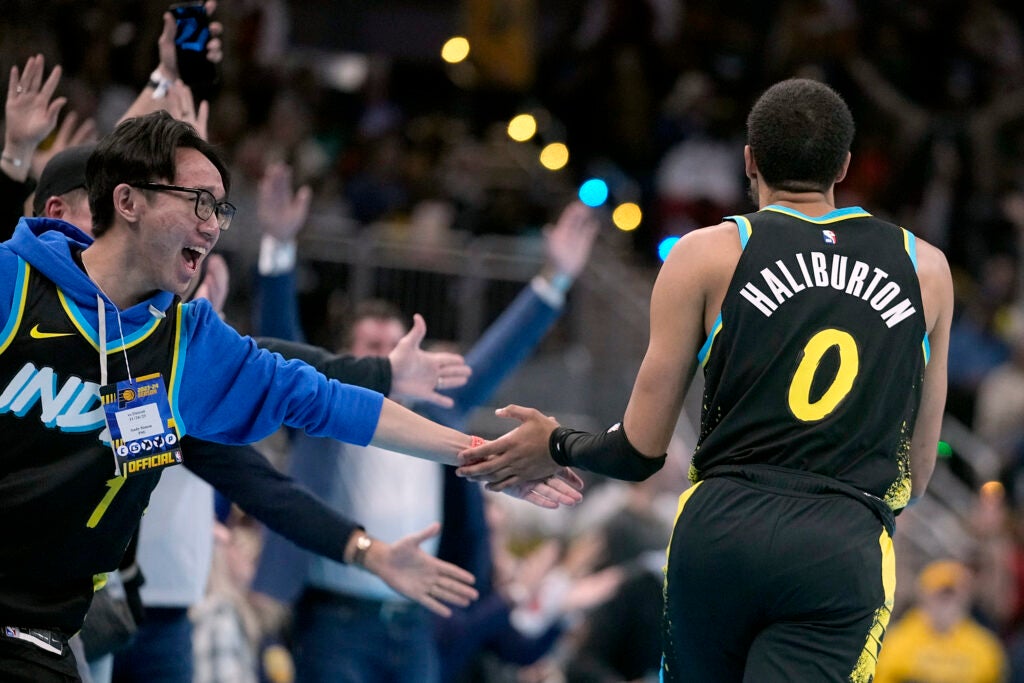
(666, 246)
(594, 192)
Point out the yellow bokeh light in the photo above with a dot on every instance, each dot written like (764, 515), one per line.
(522, 127)
(992, 489)
(455, 50)
(554, 156)
(627, 216)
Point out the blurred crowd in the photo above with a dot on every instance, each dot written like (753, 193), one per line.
(650, 96)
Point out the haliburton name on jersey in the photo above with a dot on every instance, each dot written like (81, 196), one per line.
(814, 270)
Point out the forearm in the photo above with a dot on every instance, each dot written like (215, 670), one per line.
(400, 429)
(277, 501)
(609, 453)
(370, 372)
(508, 341)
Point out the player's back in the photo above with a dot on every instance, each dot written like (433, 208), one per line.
(817, 359)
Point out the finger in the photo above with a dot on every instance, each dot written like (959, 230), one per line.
(64, 131)
(51, 82)
(502, 483)
(539, 500)
(216, 28)
(453, 593)
(441, 400)
(418, 331)
(477, 462)
(570, 477)
(32, 76)
(202, 117)
(431, 530)
(557, 490)
(214, 53)
(478, 454)
(211, 7)
(456, 573)
(12, 82)
(520, 413)
(53, 111)
(435, 606)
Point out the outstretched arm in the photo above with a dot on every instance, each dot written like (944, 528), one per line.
(242, 474)
(634, 448)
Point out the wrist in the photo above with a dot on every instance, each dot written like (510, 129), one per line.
(16, 164)
(358, 546)
(277, 257)
(160, 82)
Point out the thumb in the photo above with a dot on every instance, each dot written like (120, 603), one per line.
(516, 412)
(433, 529)
(418, 331)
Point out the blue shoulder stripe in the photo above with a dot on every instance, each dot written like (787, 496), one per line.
(17, 305)
(910, 244)
(705, 350)
(743, 226)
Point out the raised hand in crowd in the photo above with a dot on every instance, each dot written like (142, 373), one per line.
(568, 242)
(280, 210)
(163, 91)
(30, 114)
(419, 374)
(70, 133)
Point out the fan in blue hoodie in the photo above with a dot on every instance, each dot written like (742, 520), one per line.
(76, 471)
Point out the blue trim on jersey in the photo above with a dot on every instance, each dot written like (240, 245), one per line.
(926, 347)
(174, 381)
(744, 228)
(830, 217)
(92, 336)
(910, 244)
(17, 305)
(705, 350)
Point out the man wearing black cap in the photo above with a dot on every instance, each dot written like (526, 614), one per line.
(61, 192)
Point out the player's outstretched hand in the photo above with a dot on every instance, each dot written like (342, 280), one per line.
(419, 576)
(518, 457)
(562, 488)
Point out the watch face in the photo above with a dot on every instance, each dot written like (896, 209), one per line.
(364, 542)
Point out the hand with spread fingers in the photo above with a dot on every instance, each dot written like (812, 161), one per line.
(419, 576)
(70, 133)
(280, 210)
(419, 374)
(519, 456)
(30, 114)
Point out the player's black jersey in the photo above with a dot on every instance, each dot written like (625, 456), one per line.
(817, 360)
(52, 424)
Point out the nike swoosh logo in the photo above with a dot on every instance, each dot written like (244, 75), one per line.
(36, 334)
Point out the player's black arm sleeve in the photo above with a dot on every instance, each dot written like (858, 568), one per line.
(273, 498)
(608, 453)
(370, 372)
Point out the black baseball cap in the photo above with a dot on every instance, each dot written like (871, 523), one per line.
(65, 171)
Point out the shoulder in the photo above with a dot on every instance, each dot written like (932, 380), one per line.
(708, 254)
(936, 281)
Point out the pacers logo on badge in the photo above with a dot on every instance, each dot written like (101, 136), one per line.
(124, 397)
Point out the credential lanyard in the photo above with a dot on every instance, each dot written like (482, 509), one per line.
(101, 309)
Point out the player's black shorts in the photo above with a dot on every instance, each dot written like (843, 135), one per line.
(775, 579)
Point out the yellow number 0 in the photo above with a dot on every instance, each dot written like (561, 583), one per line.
(814, 351)
(114, 485)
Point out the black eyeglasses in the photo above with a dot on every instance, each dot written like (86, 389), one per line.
(206, 204)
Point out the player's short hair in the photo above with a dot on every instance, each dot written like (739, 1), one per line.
(140, 149)
(799, 132)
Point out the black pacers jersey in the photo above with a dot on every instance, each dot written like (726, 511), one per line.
(66, 515)
(817, 359)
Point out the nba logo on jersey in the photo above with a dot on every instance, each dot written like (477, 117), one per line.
(830, 237)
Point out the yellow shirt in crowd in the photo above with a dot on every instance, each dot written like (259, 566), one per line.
(914, 651)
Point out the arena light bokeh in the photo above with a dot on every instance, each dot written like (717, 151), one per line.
(455, 50)
(627, 216)
(554, 156)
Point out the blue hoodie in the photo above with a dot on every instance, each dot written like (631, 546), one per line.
(231, 391)
(67, 517)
